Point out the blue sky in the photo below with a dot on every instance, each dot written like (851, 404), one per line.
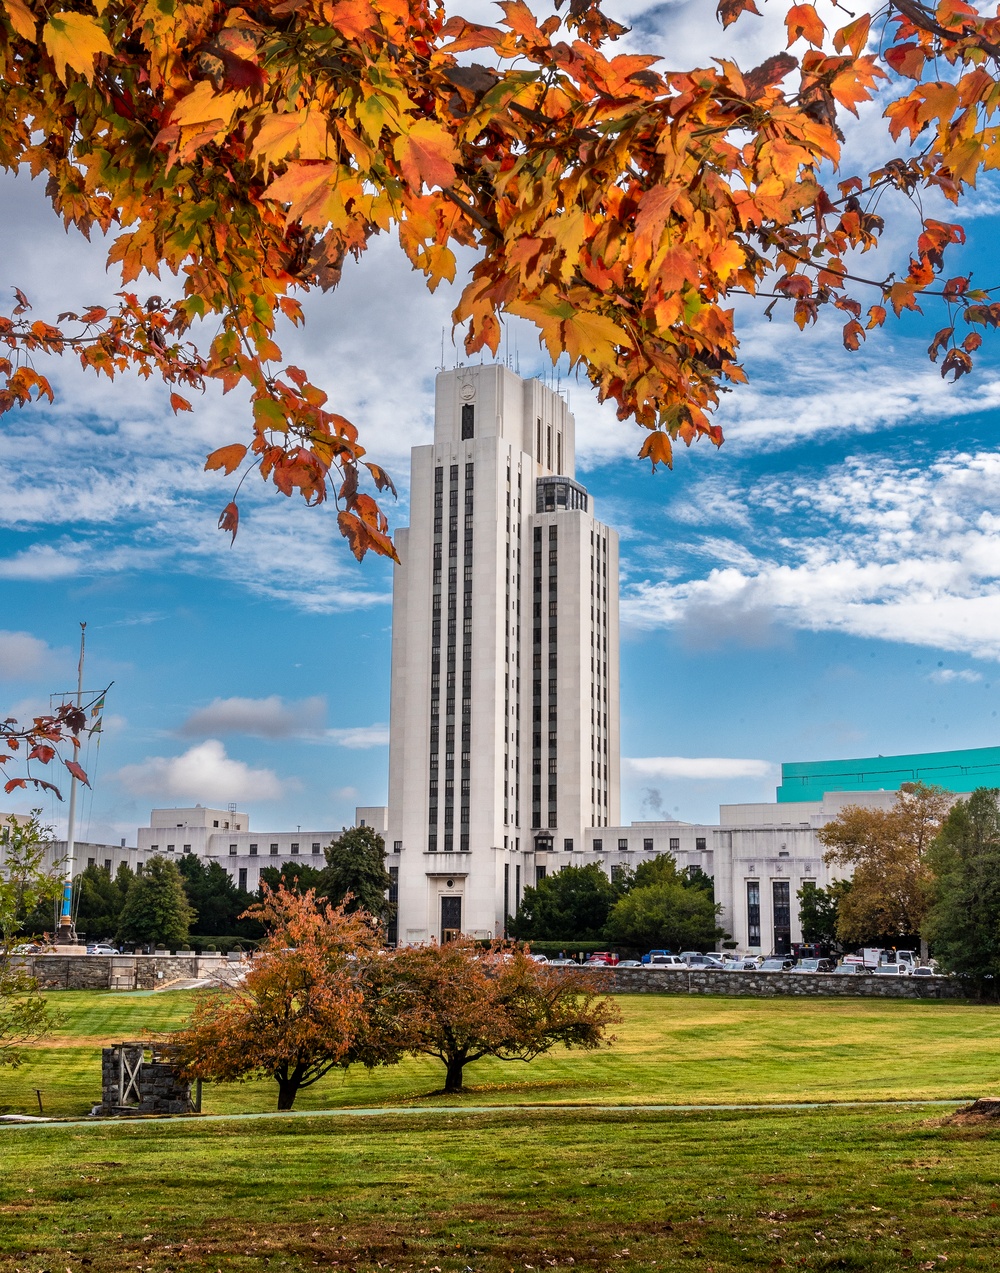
(826, 585)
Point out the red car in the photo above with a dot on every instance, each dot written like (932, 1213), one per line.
(604, 957)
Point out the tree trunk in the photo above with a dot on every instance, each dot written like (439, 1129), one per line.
(924, 950)
(453, 1078)
(287, 1091)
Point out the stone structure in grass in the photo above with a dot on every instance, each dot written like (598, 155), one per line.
(131, 1084)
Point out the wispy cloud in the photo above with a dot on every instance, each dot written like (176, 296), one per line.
(269, 717)
(697, 768)
(874, 548)
(949, 675)
(360, 737)
(22, 656)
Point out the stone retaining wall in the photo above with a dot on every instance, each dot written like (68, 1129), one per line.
(120, 972)
(767, 985)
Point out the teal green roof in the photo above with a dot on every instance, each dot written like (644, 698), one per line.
(959, 771)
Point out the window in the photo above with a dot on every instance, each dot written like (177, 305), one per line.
(753, 913)
(107, 865)
(295, 850)
(699, 844)
(253, 850)
(622, 846)
(675, 845)
(468, 420)
(540, 872)
(274, 850)
(154, 848)
(315, 850)
(781, 895)
(598, 846)
(187, 848)
(243, 879)
(233, 850)
(215, 823)
(170, 848)
(397, 847)
(617, 873)
(568, 845)
(91, 862)
(647, 846)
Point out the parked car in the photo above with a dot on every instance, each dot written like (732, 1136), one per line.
(922, 970)
(629, 963)
(705, 962)
(746, 963)
(892, 970)
(814, 965)
(102, 948)
(606, 958)
(658, 960)
(776, 963)
(852, 969)
(562, 963)
(648, 957)
(539, 959)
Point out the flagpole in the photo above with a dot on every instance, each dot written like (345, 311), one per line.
(67, 934)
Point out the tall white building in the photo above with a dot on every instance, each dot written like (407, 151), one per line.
(504, 732)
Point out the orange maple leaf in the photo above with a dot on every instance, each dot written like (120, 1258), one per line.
(75, 40)
(427, 155)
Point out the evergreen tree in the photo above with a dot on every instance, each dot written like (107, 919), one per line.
(963, 919)
(356, 866)
(297, 877)
(571, 905)
(100, 901)
(213, 896)
(156, 909)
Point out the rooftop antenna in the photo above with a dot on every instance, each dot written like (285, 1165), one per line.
(442, 348)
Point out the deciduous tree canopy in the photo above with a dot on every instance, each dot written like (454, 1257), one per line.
(299, 1011)
(156, 907)
(569, 905)
(460, 1003)
(887, 849)
(618, 207)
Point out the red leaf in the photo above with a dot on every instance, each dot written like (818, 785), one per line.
(178, 403)
(14, 784)
(230, 520)
(77, 772)
(730, 10)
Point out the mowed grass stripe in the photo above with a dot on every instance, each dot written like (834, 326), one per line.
(879, 1191)
(669, 1050)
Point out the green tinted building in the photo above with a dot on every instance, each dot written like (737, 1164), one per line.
(958, 771)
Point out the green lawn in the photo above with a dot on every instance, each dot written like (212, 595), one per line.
(669, 1050)
(873, 1191)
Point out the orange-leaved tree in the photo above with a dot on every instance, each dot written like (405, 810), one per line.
(301, 1008)
(459, 1002)
(248, 149)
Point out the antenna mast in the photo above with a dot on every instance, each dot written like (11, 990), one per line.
(67, 933)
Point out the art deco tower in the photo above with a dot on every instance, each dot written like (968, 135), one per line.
(504, 711)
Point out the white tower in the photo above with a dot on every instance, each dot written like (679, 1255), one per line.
(504, 738)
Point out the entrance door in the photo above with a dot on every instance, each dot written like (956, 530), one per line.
(451, 918)
(781, 895)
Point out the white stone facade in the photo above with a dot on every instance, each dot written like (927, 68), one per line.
(504, 737)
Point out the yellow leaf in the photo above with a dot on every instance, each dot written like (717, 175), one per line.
(21, 18)
(427, 155)
(302, 133)
(74, 40)
(657, 450)
(592, 337)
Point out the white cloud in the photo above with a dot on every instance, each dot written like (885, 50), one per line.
(696, 767)
(22, 655)
(947, 675)
(873, 548)
(269, 717)
(204, 773)
(360, 737)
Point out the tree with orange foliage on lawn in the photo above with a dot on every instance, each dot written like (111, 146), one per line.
(300, 1010)
(459, 1002)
